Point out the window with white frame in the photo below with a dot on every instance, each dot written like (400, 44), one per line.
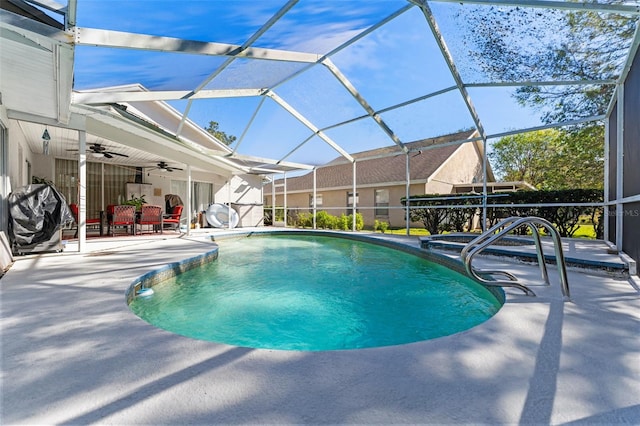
(381, 202)
(318, 201)
(350, 199)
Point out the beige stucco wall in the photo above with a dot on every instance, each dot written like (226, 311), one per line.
(246, 198)
(462, 167)
(335, 202)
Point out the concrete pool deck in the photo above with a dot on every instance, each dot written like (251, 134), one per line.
(73, 353)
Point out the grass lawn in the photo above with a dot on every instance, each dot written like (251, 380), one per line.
(412, 231)
(584, 231)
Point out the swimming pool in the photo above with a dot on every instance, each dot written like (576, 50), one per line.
(312, 292)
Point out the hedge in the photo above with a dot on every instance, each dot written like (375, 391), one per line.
(565, 218)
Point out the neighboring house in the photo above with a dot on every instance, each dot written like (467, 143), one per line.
(381, 179)
(493, 187)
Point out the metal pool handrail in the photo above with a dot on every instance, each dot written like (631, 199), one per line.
(489, 237)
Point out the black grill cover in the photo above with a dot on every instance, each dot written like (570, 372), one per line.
(36, 213)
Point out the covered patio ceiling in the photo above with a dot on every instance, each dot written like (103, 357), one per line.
(296, 82)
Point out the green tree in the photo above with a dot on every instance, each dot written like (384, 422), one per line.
(577, 161)
(522, 157)
(213, 128)
(552, 158)
(519, 44)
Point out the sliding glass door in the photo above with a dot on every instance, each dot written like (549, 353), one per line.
(106, 183)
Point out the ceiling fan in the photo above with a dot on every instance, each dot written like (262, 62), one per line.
(98, 150)
(164, 167)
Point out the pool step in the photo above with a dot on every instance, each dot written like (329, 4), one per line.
(581, 254)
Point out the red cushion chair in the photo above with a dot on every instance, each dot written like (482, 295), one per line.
(93, 222)
(122, 216)
(150, 215)
(172, 220)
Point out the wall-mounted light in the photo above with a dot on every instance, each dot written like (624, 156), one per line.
(45, 141)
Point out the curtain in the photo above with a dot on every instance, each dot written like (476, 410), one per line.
(115, 178)
(202, 193)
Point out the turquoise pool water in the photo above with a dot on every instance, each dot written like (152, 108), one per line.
(316, 293)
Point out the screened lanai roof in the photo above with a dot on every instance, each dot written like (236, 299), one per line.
(299, 82)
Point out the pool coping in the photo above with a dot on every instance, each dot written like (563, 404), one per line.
(156, 276)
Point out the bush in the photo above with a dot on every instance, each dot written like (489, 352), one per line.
(343, 223)
(380, 225)
(438, 219)
(292, 217)
(359, 222)
(324, 220)
(565, 218)
(305, 220)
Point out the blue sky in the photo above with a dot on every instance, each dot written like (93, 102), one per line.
(397, 62)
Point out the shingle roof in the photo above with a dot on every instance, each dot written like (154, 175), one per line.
(382, 170)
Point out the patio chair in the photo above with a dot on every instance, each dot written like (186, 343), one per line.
(150, 215)
(89, 222)
(172, 220)
(122, 216)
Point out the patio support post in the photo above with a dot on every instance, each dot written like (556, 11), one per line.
(273, 201)
(102, 188)
(407, 187)
(315, 194)
(189, 189)
(619, 166)
(4, 176)
(82, 190)
(285, 199)
(229, 203)
(353, 224)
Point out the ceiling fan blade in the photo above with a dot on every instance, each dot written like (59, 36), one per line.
(117, 153)
(107, 155)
